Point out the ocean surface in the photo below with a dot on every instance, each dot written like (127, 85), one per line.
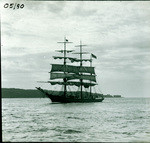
(113, 120)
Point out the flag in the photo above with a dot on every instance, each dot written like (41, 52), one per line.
(93, 56)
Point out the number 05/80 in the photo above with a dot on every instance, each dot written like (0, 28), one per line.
(14, 5)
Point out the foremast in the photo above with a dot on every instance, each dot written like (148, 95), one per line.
(64, 51)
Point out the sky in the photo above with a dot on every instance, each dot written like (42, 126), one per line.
(118, 33)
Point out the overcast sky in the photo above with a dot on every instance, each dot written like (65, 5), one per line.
(118, 33)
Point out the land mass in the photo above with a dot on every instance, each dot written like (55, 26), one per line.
(32, 93)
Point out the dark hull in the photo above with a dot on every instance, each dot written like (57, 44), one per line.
(70, 100)
(63, 99)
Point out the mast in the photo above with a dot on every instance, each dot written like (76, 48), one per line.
(92, 56)
(65, 79)
(81, 80)
(91, 74)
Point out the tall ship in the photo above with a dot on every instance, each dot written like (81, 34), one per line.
(67, 76)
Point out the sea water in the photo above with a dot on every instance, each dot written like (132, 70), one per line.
(113, 120)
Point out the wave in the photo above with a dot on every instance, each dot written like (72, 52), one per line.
(71, 131)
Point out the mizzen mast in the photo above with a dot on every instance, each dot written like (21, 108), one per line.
(91, 56)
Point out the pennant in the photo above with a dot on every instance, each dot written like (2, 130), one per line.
(93, 56)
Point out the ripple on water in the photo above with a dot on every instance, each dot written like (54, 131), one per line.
(42, 121)
(71, 131)
(78, 118)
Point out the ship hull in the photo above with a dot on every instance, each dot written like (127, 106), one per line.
(63, 99)
(70, 100)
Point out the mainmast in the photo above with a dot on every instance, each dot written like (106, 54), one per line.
(81, 80)
(65, 79)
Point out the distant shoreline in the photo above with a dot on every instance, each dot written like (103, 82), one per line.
(33, 93)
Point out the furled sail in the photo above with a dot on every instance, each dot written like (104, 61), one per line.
(72, 76)
(72, 69)
(62, 51)
(79, 60)
(86, 85)
(72, 59)
(81, 53)
(56, 57)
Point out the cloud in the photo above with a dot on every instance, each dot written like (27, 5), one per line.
(116, 32)
(83, 10)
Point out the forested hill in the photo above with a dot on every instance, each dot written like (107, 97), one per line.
(21, 93)
(33, 93)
